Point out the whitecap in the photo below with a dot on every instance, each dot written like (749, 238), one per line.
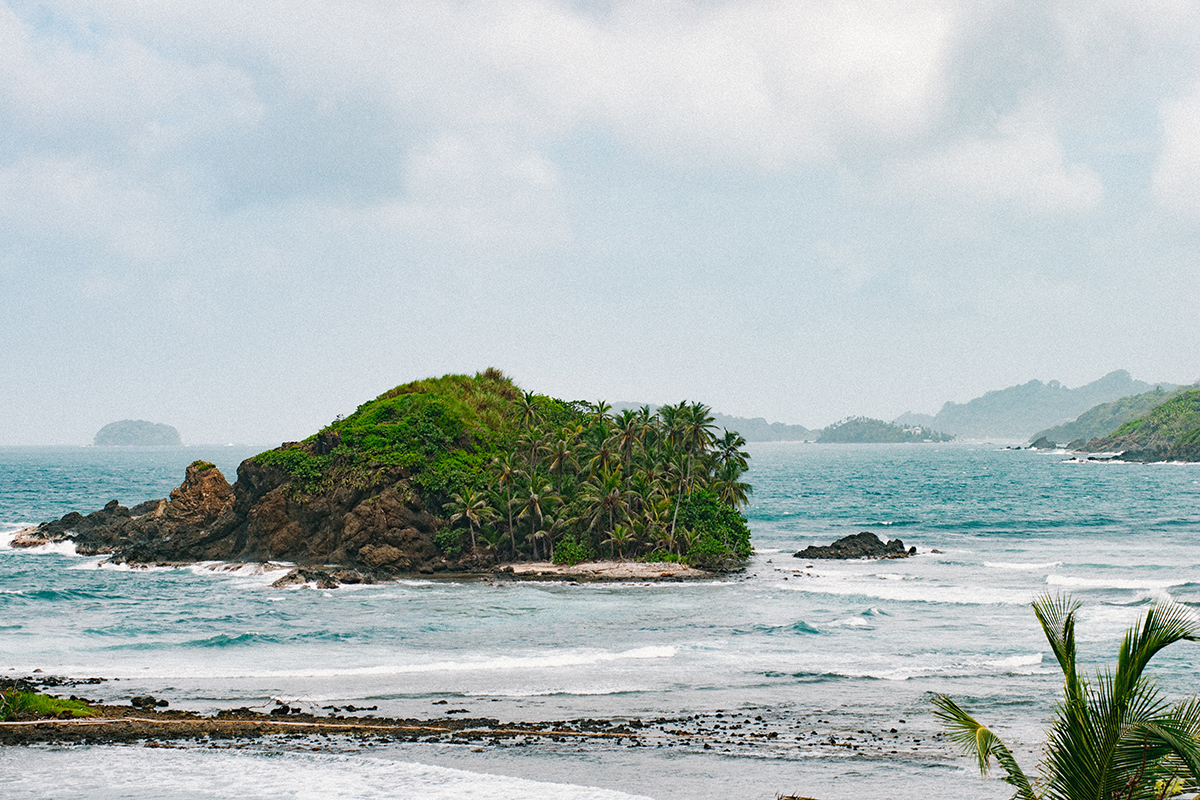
(1022, 565)
(62, 548)
(556, 660)
(1111, 583)
(910, 591)
(1031, 660)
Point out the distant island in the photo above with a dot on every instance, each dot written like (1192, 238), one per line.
(136, 433)
(1018, 411)
(457, 473)
(864, 430)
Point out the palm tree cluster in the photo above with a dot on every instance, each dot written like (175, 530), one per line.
(1114, 738)
(579, 481)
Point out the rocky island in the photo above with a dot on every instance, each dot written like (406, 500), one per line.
(457, 473)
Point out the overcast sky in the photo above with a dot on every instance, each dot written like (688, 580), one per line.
(244, 218)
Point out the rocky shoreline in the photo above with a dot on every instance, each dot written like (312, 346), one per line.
(749, 732)
(206, 519)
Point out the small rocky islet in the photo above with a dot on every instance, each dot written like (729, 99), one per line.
(453, 474)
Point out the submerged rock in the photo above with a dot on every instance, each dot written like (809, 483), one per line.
(859, 545)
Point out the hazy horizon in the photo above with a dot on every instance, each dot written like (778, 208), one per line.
(182, 426)
(243, 222)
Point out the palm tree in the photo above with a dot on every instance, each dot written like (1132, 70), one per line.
(729, 450)
(729, 488)
(507, 475)
(473, 506)
(1116, 738)
(606, 496)
(527, 408)
(535, 503)
(561, 454)
(628, 436)
(620, 536)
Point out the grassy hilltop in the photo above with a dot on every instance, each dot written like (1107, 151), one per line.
(1171, 432)
(515, 475)
(1100, 421)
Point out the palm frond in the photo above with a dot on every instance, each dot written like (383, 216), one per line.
(1056, 614)
(979, 742)
(1164, 624)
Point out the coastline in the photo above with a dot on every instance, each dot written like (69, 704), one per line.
(605, 570)
(324, 576)
(756, 732)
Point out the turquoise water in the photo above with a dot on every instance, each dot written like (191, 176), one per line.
(836, 648)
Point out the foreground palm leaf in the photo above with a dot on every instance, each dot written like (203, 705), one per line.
(1115, 738)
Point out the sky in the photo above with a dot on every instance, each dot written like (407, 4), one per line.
(245, 218)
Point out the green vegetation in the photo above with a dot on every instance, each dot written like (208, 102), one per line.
(521, 475)
(1116, 737)
(136, 433)
(865, 429)
(1105, 418)
(1167, 423)
(16, 704)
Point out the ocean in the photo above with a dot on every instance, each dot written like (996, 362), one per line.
(837, 659)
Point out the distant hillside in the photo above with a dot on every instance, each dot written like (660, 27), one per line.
(1018, 411)
(752, 429)
(1171, 432)
(757, 429)
(911, 419)
(136, 433)
(867, 430)
(1105, 418)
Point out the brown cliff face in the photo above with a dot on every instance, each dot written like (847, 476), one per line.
(381, 529)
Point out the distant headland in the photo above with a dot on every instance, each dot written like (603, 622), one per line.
(137, 433)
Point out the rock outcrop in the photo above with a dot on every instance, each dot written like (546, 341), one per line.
(377, 529)
(859, 545)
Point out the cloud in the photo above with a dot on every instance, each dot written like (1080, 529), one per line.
(1021, 164)
(770, 84)
(1176, 180)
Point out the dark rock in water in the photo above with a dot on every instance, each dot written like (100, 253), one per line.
(147, 701)
(75, 526)
(1044, 444)
(859, 545)
(321, 578)
(1077, 444)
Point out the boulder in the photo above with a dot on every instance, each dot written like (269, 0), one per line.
(859, 545)
(1044, 444)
